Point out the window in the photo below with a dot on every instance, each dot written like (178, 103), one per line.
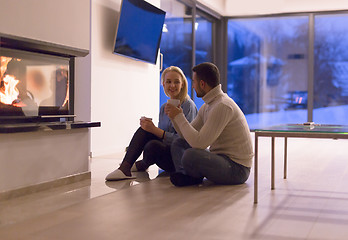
(267, 73)
(204, 45)
(331, 69)
(176, 42)
(187, 40)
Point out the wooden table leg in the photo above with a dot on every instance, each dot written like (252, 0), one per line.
(256, 169)
(272, 163)
(285, 156)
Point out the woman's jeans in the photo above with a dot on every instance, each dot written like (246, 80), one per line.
(155, 151)
(199, 163)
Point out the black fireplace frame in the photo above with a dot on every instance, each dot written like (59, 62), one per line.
(36, 46)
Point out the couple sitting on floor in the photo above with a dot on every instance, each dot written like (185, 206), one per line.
(213, 144)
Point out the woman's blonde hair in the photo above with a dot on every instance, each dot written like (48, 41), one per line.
(183, 92)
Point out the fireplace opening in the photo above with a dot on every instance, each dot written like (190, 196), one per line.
(36, 80)
(33, 85)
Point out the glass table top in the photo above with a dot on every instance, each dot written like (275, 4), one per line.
(318, 128)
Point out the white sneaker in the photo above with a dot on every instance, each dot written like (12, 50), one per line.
(117, 175)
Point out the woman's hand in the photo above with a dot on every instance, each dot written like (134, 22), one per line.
(171, 111)
(147, 124)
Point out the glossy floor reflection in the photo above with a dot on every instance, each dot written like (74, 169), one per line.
(26, 207)
(311, 204)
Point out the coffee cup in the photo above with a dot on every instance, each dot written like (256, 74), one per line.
(175, 102)
(145, 118)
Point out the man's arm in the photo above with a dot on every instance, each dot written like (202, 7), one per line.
(173, 111)
(197, 123)
(209, 132)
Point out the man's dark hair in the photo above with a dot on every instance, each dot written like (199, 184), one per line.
(208, 72)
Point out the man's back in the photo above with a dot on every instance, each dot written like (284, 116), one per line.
(228, 129)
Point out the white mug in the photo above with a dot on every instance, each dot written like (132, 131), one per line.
(175, 102)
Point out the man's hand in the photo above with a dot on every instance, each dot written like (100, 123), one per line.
(171, 111)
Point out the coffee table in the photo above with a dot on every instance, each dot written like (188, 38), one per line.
(307, 130)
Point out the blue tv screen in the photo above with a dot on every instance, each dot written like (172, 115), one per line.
(139, 30)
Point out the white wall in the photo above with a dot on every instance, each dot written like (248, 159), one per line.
(254, 7)
(63, 22)
(123, 89)
(216, 5)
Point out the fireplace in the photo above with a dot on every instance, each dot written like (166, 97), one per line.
(37, 85)
(36, 80)
(41, 143)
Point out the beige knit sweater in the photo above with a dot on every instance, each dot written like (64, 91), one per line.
(219, 125)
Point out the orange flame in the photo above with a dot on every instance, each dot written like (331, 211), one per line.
(9, 92)
(3, 65)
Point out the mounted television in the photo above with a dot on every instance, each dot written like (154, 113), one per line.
(139, 30)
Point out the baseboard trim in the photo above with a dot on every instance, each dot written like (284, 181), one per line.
(44, 186)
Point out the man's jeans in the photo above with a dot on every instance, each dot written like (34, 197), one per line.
(198, 163)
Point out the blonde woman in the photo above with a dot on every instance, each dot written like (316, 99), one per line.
(154, 142)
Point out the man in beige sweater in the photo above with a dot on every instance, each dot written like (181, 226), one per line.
(217, 143)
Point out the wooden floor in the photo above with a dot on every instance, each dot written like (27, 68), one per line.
(311, 204)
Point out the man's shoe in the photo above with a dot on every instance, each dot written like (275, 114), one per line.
(182, 180)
